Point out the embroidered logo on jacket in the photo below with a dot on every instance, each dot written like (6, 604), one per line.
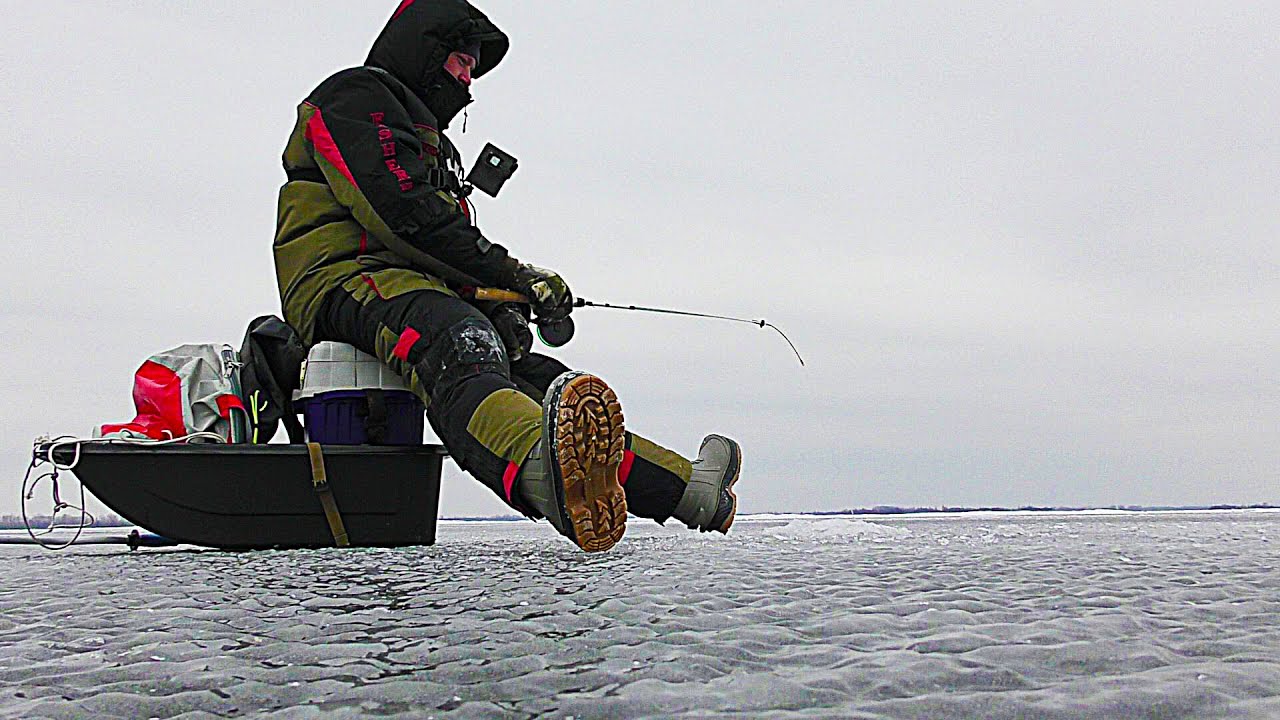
(389, 152)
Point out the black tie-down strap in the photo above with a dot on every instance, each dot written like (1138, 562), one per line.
(375, 417)
(321, 484)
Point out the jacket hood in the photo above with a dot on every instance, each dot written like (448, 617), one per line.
(421, 34)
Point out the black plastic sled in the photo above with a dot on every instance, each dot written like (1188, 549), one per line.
(261, 496)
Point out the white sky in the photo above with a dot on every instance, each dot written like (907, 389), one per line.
(1028, 249)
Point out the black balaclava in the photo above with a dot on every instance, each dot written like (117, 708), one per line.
(418, 39)
(445, 96)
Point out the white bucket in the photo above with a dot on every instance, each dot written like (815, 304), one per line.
(338, 366)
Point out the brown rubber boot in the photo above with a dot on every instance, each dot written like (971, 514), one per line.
(571, 475)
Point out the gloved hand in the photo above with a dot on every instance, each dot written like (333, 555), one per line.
(513, 327)
(548, 293)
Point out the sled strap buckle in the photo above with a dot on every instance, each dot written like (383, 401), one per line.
(321, 484)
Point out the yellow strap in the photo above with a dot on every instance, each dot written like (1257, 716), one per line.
(321, 484)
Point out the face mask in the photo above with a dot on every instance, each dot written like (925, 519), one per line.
(445, 96)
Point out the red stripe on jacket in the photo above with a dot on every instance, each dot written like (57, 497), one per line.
(319, 136)
(372, 285)
(404, 5)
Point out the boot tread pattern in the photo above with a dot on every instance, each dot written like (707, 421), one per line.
(590, 439)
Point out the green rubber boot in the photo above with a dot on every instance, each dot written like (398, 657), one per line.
(709, 502)
(571, 475)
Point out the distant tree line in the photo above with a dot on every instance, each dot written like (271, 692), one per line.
(14, 522)
(895, 510)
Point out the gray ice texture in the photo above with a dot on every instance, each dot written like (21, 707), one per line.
(1170, 615)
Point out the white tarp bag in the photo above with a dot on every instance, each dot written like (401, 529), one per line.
(189, 389)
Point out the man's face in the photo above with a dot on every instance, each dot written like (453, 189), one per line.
(460, 65)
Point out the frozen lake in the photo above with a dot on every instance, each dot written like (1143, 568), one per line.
(1168, 615)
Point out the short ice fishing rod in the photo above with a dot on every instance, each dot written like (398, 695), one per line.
(554, 334)
(559, 333)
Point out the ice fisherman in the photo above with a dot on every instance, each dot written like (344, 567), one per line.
(374, 203)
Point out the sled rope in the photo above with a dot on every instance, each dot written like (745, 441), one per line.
(50, 458)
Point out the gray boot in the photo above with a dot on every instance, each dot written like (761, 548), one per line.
(709, 502)
(571, 475)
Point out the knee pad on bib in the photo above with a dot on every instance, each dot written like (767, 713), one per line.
(468, 347)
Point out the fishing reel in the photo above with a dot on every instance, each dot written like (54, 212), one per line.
(555, 333)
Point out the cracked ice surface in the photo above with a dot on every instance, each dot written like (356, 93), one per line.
(1171, 615)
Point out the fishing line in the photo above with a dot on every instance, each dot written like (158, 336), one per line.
(581, 302)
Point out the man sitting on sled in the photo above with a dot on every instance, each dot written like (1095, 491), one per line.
(374, 204)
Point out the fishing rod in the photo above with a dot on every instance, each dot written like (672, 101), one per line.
(556, 334)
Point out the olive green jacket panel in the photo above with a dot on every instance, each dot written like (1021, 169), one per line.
(367, 192)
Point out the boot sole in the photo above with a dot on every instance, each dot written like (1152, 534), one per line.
(737, 472)
(589, 443)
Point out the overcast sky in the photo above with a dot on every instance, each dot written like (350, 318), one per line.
(1027, 249)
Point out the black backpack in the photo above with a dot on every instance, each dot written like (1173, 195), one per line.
(271, 367)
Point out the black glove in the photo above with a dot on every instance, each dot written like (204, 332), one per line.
(548, 293)
(513, 327)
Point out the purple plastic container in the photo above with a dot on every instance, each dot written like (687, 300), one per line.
(340, 417)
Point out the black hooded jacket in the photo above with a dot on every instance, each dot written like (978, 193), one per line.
(419, 37)
(370, 204)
